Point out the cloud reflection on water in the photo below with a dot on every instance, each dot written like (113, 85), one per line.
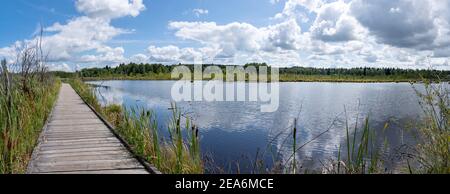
(316, 105)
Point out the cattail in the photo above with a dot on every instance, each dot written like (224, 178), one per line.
(178, 124)
(196, 132)
(295, 129)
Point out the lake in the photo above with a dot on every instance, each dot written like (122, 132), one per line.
(233, 132)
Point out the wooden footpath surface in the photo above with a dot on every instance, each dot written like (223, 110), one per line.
(75, 140)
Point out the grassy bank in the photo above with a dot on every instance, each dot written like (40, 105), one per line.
(25, 104)
(179, 154)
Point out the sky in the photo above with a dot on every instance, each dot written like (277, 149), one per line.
(310, 33)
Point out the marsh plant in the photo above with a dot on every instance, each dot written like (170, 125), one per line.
(179, 154)
(360, 153)
(433, 150)
(27, 94)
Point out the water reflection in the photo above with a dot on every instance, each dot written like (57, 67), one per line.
(231, 131)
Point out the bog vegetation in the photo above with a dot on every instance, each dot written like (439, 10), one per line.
(27, 94)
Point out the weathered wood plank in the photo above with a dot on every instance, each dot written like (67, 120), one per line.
(82, 140)
(89, 165)
(93, 162)
(74, 117)
(75, 123)
(80, 150)
(85, 158)
(81, 134)
(77, 154)
(74, 143)
(123, 171)
(78, 138)
(65, 147)
(77, 128)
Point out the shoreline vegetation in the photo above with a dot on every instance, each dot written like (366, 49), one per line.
(28, 92)
(26, 100)
(134, 71)
(361, 153)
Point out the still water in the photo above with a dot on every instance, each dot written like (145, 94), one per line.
(236, 131)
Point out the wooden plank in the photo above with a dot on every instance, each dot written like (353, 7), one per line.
(75, 122)
(80, 146)
(85, 158)
(66, 143)
(91, 162)
(78, 138)
(61, 132)
(74, 134)
(77, 154)
(82, 140)
(80, 150)
(77, 141)
(131, 171)
(74, 117)
(91, 165)
(123, 171)
(78, 128)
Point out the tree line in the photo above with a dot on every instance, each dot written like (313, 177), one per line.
(134, 69)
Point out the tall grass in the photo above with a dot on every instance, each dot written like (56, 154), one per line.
(433, 150)
(25, 103)
(178, 154)
(363, 154)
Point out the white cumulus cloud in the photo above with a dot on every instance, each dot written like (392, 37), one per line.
(110, 9)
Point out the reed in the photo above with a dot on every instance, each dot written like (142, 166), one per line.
(433, 150)
(362, 152)
(294, 148)
(25, 103)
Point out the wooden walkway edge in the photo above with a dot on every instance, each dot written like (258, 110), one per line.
(77, 141)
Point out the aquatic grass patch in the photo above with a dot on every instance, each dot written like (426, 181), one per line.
(178, 154)
(363, 154)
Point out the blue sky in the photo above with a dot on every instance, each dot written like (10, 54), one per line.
(317, 33)
(151, 25)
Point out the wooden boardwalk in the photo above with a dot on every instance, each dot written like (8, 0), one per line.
(75, 141)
